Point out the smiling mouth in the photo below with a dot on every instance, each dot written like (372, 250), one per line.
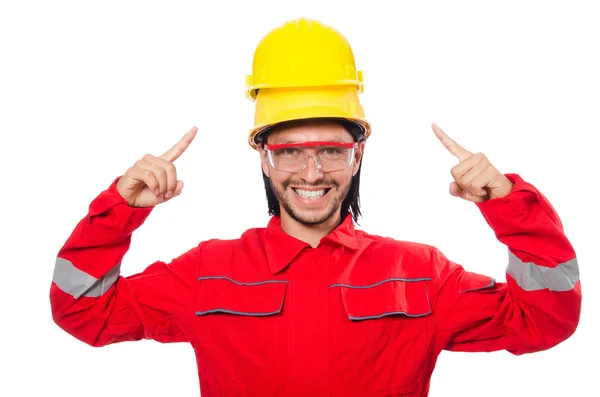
(311, 194)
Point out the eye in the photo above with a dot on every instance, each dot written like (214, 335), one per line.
(287, 152)
(331, 152)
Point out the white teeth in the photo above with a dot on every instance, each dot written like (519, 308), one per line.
(310, 194)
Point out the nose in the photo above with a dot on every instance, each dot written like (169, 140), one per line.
(311, 172)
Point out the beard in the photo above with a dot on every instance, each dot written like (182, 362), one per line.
(311, 219)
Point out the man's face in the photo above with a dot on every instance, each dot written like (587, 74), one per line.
(311, 196)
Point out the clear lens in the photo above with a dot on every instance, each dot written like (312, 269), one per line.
(294, 159)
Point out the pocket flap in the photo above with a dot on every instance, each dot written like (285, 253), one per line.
(406, 297)
(469, 282)
(225, 295)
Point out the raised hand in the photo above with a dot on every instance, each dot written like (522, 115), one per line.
(475, 178)
(153, 180)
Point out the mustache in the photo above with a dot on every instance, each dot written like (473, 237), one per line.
(325, 184)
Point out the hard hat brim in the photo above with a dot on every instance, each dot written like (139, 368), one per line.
(275, 106)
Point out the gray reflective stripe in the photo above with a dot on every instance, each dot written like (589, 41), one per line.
(408, 280)
(78, 283)
(240, 283)
(532, 277)
(388, 314)
(238, 313)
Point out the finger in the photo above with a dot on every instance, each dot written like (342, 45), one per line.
(457, 191)
(169, 168)
(453, 147)
(146, 176)
(178, 189)
(159, 173)
(470, 181)
(484, 178)
(460, 169)
(176, 151)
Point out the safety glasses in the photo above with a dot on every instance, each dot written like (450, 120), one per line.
(328, 156)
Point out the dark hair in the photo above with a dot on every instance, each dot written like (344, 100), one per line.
(351, 203)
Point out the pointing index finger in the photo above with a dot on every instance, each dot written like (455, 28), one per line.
(453, 147)
(177, 150)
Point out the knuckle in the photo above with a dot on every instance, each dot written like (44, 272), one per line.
(147, 157)
(170, 167)
(159, 170)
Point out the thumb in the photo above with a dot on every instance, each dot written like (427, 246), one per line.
(177, 191)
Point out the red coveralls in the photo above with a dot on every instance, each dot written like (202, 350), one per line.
(359, 315)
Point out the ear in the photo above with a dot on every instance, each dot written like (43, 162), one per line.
(264, 161)
(358, 153)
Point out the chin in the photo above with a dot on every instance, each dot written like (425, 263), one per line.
(308, 217)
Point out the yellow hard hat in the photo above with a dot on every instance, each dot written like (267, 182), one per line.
(304, 69)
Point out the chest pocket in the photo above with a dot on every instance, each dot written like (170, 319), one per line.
(238, 327)
(381, 337)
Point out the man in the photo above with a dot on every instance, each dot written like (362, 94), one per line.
(308, 305)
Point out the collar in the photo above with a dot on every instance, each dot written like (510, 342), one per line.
(281, 248)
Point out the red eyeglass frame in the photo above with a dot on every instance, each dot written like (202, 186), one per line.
(351, 145)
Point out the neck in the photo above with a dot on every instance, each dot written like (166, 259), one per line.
(311, 234)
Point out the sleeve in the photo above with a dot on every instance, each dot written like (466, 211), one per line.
(538, 306)
(90, 299)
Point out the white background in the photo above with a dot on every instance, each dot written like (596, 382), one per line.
(86, 88)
